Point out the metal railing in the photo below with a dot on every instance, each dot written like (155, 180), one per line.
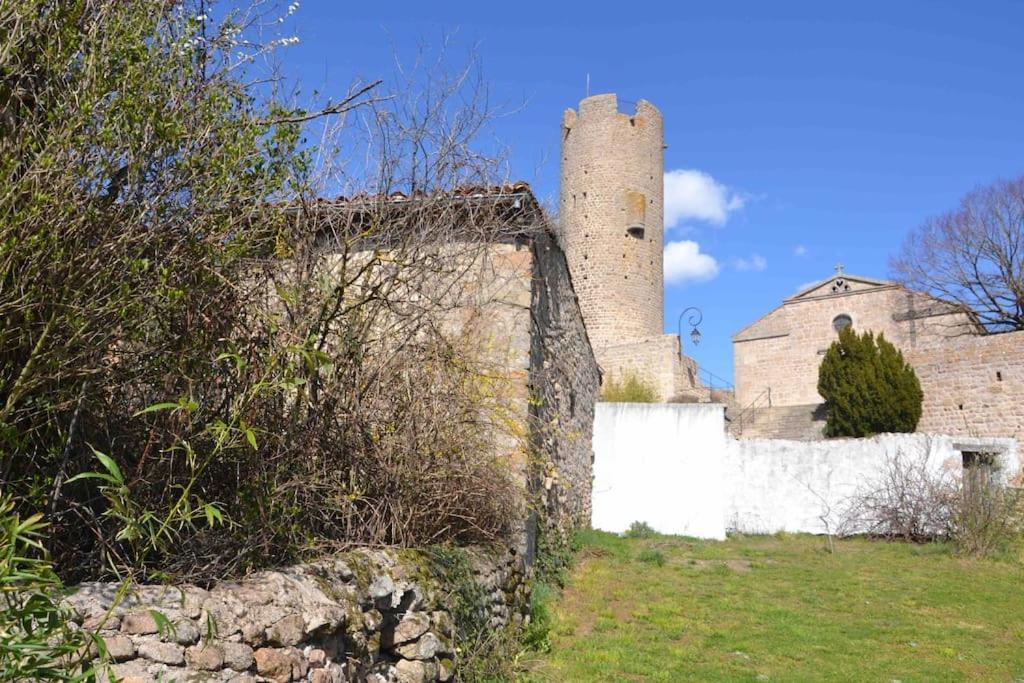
(749, 414)
(712, 381)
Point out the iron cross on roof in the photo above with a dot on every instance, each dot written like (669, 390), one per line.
(839, 268)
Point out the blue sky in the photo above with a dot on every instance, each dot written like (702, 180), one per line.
(804, 133)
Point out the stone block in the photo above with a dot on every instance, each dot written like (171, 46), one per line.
(164, 653)
(287, 631)
(119, 648)
(280, 665)
(206, 657)
(237, 656)
(139, 623)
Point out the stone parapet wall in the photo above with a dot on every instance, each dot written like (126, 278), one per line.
(373, 615)
(973, 385)
(655, 360)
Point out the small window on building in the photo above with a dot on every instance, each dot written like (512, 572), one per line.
(841, 321)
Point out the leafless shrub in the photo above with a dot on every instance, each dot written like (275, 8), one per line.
(989, 518)
(910, 500)
(242, 372)
(915, 501)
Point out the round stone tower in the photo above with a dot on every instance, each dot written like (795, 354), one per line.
(612, 203)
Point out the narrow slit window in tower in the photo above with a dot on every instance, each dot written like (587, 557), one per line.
(636, 214)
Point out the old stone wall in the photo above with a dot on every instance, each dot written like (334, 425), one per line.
(516, 313)
(397, 615)
(564, 380)
(655, 360)
(973, 385)
(367, 615)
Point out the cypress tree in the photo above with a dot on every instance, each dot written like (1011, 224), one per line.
(868, 387)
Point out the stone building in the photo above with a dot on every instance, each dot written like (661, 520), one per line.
(388, 614)
(973, 382)
(611, 213)
(505, 299)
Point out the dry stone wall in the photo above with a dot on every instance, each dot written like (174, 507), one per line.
(367, 615)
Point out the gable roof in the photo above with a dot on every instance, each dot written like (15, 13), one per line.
(771, 324)
(870, 282)
(776, 323)
(500, 213)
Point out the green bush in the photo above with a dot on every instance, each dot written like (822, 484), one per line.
(640, 530)
(868, 387)
(37, 641)
(649, 556)
(536, 637)
(629, 388)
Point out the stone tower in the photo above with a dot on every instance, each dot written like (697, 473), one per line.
(612, 204)
(612, 221)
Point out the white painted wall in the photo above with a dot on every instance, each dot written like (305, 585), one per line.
(774, 485)
(672, 466)
(661, 464)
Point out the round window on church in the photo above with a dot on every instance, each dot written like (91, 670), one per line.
(841, 321)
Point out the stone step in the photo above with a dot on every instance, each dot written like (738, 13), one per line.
(798, 423)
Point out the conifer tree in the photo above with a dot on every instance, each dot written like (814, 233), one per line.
(868, 387)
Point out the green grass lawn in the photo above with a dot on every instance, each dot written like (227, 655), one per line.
(781, 608)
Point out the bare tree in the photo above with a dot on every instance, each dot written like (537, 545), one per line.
(973, 255)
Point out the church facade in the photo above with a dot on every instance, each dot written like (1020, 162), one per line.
(973, 382)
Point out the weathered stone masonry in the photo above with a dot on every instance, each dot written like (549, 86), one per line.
(366, 615)
(973, 385)
(517, 307)
(564, 382)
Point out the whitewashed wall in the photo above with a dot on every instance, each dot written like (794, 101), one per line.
(661, 464)
(775, 485)
(672, 466)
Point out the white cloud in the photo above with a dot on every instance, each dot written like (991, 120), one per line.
(684, 262)
(755, 262)
(690, 193)
(800, 250)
